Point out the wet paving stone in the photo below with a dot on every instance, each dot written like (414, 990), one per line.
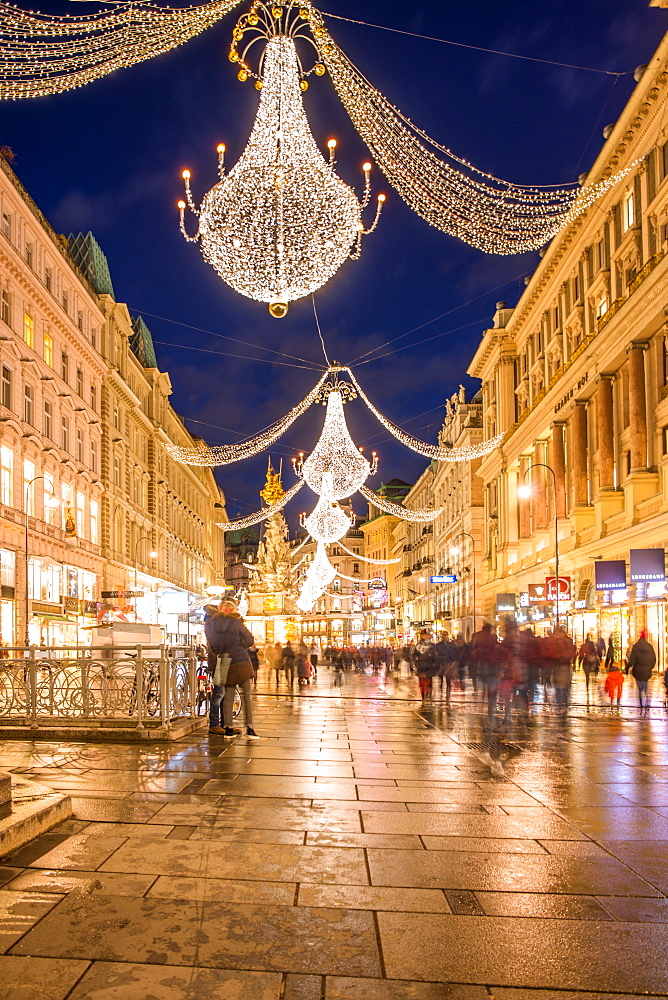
(46, 978)
(550, 954)
(242, 870)
(122, 980)
(228, 936)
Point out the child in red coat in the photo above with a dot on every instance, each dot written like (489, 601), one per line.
(613, 685)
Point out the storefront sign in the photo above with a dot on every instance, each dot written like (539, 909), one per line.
(121, 593)
(448, 578)
(377, 584)
(564, 588)
(505, 604)
(610, 574)
(71, 604)
(571, 392)
(647, 564)
(44, 608)
(537, 593)
(90, 609)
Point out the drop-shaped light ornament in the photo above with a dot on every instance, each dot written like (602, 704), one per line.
(327, 522)
(335, 468)
(282, 222)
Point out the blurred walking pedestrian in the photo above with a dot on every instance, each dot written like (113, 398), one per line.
(641, 665)
(589, 660)
(485, 651)
(289, 663)
(427, 665)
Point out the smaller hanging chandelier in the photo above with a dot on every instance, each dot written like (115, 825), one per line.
(282, 222)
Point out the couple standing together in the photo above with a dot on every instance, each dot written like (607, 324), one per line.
(226, 634)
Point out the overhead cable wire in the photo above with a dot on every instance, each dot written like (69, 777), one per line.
(223, 336)
(242, 357)
(448, 312)
(480, 48)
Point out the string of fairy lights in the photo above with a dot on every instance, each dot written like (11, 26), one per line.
(335, 470)
(43, 54)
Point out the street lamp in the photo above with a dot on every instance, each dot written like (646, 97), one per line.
(524, 491)
(152, 554)
(455, 551)
(52, 502)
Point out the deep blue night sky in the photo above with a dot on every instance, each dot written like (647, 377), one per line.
(108, 158)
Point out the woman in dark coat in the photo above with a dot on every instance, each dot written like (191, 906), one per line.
(227, 634)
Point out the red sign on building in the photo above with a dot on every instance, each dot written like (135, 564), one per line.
(564, 588)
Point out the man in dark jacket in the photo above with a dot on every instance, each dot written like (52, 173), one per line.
(641, 664)
(226, 634)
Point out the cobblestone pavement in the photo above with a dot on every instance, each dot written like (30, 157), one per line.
(362, 849)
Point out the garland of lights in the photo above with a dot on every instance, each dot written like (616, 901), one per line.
(225, 454)
(466, 454)
(356, 579)
(260, 515)
(491, 214)
(375, 562)
(44, 54)
(417, 514)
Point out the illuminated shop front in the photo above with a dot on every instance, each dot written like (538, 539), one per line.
(8, 597)
(62, 603)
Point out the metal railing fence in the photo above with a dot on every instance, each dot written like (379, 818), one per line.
(129, 686)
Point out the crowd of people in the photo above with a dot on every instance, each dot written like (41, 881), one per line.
(516, 669)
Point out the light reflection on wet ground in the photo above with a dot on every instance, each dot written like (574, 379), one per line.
(365, 847)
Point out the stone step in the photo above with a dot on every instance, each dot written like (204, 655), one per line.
(32, 810)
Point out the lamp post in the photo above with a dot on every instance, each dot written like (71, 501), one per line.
(525, 491)
(455, 551)
(152, 554)
(52, 502)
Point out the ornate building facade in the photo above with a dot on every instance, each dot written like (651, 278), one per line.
(85, 414)
(458, 531)
(576, 377)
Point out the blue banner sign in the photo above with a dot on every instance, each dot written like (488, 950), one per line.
(448, 578)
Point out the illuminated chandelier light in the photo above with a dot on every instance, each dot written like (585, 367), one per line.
(225, 454)
(318, 576)
(281, 223)
(442, 454)
(47, 54)
(417, 514)
(335, 468)
(327, 522)
(260, 515)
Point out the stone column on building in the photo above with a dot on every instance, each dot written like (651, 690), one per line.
(558, 464)
(579, 443)
(539, 496)
(637, 406)
(506, 397)
(524, 503)
(605, 430)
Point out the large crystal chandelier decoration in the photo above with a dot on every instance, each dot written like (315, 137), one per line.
(281, 223)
